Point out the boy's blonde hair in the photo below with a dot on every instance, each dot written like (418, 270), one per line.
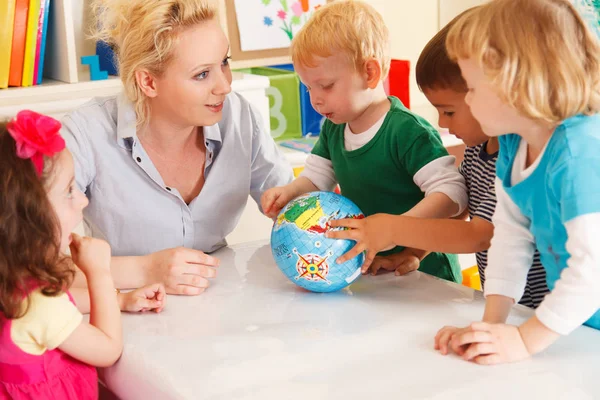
(352, 27)
(142, 34)
(540, 55)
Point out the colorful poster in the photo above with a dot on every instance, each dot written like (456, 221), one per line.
(590, 9)
(271, 24)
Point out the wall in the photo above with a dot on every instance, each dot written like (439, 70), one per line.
(451, 8)
(411, 23)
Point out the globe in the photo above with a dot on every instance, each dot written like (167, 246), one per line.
(300, 247)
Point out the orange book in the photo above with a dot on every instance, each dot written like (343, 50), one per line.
(7, 18)
(18, 43)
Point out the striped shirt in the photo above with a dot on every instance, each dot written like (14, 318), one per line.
(479, 170)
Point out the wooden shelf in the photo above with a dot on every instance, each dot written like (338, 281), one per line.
(52, 90)
(56, 98)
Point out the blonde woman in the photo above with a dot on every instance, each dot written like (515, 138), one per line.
(168, 165)
(536, 87)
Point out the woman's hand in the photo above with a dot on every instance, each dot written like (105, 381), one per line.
(182, 270)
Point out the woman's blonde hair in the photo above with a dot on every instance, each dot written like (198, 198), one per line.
(351, 27)
(142, 34)
(540, 56)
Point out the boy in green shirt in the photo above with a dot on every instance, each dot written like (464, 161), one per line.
(385, 158)
(441, 81)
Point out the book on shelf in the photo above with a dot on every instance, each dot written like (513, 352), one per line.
(40, 64)
(7, 19)
(30, 42)
(37, 42)
(38, 45)
(17, 56)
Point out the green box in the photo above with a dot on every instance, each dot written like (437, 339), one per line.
(284, 101)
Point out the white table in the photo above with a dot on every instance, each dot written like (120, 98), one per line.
(255, 335)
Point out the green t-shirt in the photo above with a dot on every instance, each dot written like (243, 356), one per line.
(378, 177)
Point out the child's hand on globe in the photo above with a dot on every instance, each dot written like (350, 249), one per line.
(372, 235)
(274, 199)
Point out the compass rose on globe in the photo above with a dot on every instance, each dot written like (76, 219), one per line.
(312, 266)
(302, 251)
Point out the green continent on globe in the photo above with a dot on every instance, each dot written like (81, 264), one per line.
(305, 213)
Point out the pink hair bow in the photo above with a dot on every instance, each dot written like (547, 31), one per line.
(37, 136)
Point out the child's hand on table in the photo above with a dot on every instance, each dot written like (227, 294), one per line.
(483, 343)
(401, 263)
(147, 298)
(443, 340)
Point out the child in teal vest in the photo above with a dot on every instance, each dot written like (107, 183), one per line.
(536, 86)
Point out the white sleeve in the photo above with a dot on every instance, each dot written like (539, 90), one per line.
(441, 175)
(319, 171)
(511, 253)
(576, 296)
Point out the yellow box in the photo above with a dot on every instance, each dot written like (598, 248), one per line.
(297, 171)
(471, 278)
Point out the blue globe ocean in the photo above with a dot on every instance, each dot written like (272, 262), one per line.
(300, 247)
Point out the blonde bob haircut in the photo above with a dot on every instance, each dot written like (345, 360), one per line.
(351, 27)
(142, 34)
(540, 56)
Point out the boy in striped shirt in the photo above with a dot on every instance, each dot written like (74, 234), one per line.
(440, 80)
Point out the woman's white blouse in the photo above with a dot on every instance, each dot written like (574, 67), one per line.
(129, 204)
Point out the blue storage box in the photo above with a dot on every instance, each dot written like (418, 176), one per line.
(107, 58)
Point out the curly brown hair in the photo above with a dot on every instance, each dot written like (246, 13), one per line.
(30, 254)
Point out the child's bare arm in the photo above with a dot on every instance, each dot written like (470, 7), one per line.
(381, 231)
(82, 299)
(98, 343)
(436, 205)
(147, 298)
